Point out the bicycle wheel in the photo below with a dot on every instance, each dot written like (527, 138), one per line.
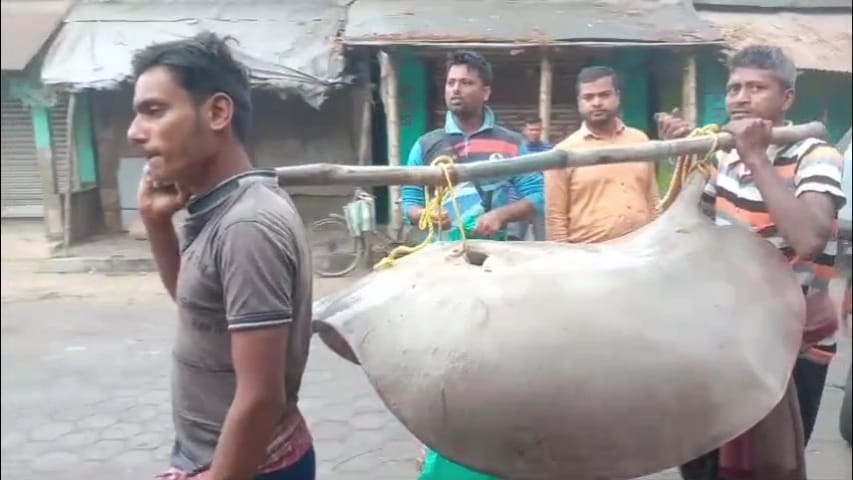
(334, 252)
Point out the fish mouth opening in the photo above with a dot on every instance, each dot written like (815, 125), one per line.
(475, 257)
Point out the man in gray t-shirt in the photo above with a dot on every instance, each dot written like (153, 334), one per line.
(241, 275)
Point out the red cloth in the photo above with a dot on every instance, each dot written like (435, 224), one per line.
(773, 448)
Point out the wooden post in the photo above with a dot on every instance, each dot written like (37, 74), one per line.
(689, 107)
(365, 138)
(72, 171)
(545, 87)
(392, 117)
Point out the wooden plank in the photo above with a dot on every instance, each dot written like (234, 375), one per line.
(656, 150)
(388, 74)
(545, 84)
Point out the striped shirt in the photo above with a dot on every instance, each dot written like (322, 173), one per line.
(809, 165)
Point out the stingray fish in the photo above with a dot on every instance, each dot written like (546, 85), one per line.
(553, 361)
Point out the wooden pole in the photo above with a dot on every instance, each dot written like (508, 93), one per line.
(545, 86)
(392, 117)
(652, 151)
(688, 91)
(365, 139)
(72, 171)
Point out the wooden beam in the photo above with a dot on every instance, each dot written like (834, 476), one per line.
(689, 106)
(545, 87)
(365, 141)
(656, 150)
(72, 172)
(390, 100)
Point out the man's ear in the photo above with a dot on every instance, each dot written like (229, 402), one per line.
(220, 110)
(790, 96)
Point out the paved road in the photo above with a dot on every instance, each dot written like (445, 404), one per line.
(85, 390)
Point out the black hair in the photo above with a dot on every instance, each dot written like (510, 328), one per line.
(204, 66)
(532, 120)
(765, 57)
(474, 61)
(591, 74)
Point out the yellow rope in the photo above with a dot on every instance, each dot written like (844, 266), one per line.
(433, 205)
(431, 215)
(688, 163)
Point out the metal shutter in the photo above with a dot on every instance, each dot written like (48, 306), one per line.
(21, 183)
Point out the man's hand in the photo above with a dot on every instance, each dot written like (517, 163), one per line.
(752, 137)
(159, 203)
(489, 224)
(672, 125)
(442, 222)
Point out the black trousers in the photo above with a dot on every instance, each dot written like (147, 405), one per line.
(809, 380)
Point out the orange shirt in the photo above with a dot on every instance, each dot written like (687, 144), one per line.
(597, 203)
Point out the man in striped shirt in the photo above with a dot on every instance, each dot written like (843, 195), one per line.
(788, 194)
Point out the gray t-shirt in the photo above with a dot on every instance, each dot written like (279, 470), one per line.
(245, 264)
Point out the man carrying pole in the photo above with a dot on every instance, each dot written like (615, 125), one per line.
(790, 195)
(470, 133)
(486, 207)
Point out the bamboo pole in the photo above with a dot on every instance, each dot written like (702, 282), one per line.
(392, 117)
(545, 87)
(652, 151)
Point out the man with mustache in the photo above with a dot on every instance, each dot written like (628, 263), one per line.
(240, 274)
(789, 195)
(597, 203)
(471, 133)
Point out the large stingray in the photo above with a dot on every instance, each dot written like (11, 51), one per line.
(552, 361)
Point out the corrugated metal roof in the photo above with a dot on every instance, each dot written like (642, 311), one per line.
(24, 28)
(524, 21)
(290, 46)
(815, 41)
(785, 4)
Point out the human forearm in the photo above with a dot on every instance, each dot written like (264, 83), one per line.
(166, 252)
(246, 434)
(520, 210)
(796, 221)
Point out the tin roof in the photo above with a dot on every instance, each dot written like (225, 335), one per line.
(25, 27)
(518, 22)
(291, 46)
(815, 41)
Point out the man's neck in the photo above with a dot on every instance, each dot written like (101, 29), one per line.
(227, 163)
(470, 123)
(606, 129)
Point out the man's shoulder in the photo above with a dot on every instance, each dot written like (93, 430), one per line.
(635, 133)
(503, 133)
(810, 146)
(266, 206)
(573, 139)
(431, 137)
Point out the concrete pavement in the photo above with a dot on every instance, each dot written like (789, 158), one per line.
(85, 363)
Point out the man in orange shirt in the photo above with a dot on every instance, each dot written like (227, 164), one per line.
(598, 203)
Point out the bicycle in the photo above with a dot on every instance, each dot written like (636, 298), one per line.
(339, 243)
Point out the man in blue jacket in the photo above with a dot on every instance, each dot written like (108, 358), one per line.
(470, 133)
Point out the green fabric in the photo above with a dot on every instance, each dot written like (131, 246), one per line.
(437, 467)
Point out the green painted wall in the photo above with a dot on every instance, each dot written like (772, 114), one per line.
(412, 89)
(412, 85)
(632, 64)
(826, 97)
(41, 126)
(712, 76)
(84, 136)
